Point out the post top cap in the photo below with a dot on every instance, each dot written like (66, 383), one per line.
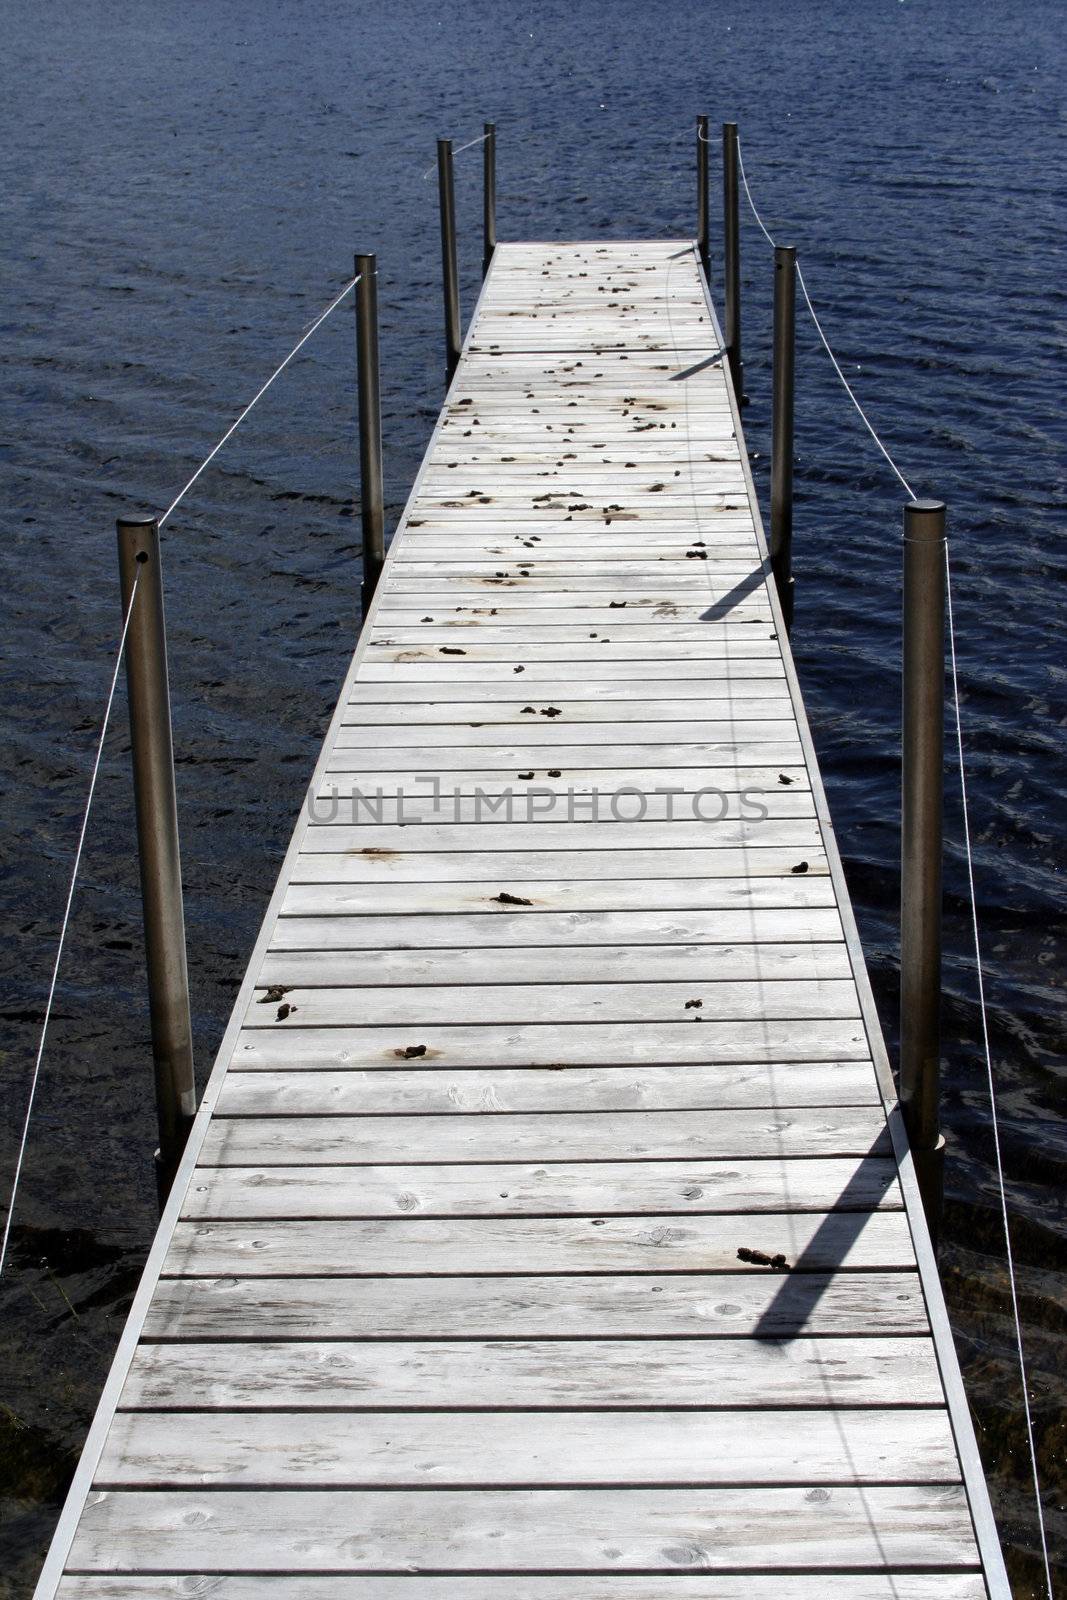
(925, 505)
(137, 521)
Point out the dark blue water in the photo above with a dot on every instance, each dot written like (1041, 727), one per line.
(183, 188)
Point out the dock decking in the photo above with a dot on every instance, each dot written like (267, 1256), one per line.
(542, 1235)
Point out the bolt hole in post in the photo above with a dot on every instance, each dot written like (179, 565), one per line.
(488, 196)
(449, 266)
(922, 787)
(371, 494)
(157, 835)
(783, 389)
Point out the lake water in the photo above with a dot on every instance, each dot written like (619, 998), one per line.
(183, 188)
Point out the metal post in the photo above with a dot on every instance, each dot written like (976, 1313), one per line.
(450, 271)
(703, 243)
(372, 508)
(920, 872)
(785, 299)
(157, 833)
(488, 195)
(731, 230)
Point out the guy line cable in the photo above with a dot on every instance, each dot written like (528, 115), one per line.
(35, 1077)
(972, 894)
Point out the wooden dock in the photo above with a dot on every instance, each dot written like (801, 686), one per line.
(543, 1234)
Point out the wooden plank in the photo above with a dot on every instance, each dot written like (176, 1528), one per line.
(618, 838)
(456, 1449)
(598, 672)
(712, 695)
(504, 868)
(660, 635)
(668, 789)
(718, 761)
(562, 964)
(616, 1586)
(643, 1135)
(483, 730)
(490, 611)
(704, 655)
(762, 1529)
(548, 1044)
(462, 1246)
(731, 1305)
(517, 710)
(349, 800)
(411, 1090)
(545, 1374)
(317, 897)
(512, 930)
(578, 1003)
(559, 1188)
(527, 608)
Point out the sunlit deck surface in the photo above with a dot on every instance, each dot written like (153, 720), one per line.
(543, 1235)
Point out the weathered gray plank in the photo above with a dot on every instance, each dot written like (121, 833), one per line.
(669, 637)
(548, 1373)
(462, 1246)
(532, 731)
(547, 963)
(742, 1186)
(800, 1131)
(583, 1004)
(316, 1049)
(362, 712)
(462, 934)
(623, 838)
(461, 670)
(561, 1530)
(689, 767)
(746, 694)
(409, 1090)
(616, 1586)
(347, 800)
(469, 613)
(504, 869)
(348, 896)
(456, 1449)
(732, 1305)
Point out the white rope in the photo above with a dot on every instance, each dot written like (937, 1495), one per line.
(317, 323)
(819, 330)
(482, 137)
(319, 320)
(752, 203)
(983, 1012)
(848, 387)
(66, 922)
(994, 1117)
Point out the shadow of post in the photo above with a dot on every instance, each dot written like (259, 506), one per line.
(812, 1273)
(748, 585)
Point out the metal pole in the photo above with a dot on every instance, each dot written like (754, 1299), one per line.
(731, 230)
(785, 300)
(488, 195)
(450, 271)
(157, 834)
(703, 243)
(372, 508)
(920, 871)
